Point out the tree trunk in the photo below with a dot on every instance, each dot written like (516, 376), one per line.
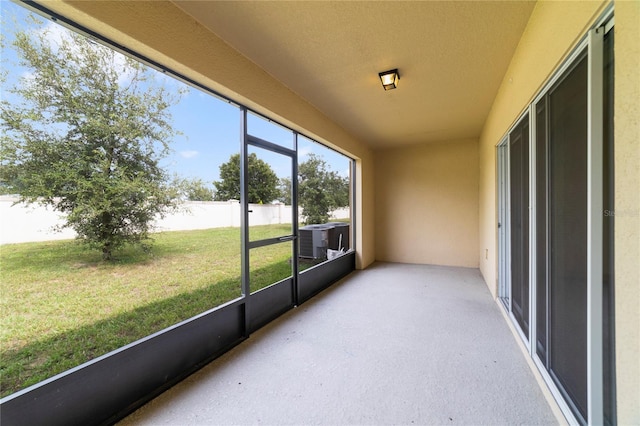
(106, 252)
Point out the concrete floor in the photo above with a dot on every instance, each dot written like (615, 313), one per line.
(394, 344)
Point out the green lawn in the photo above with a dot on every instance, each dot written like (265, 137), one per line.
(61, 305)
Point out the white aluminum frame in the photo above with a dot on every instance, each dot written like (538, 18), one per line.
(595, 118)
(504, 246)
(505, 168)
(532, 229)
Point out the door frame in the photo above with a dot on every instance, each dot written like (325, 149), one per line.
(270, 302)
(504, 235)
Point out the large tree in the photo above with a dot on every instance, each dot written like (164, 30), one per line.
(263, 182)
(320, 190)
(284, 188)
(83, 131)
(193, 189)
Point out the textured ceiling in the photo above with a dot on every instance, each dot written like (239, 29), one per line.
(451, 55)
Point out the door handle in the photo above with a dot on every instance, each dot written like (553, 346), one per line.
(287, 238)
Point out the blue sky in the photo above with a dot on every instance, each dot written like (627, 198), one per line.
(210, 126)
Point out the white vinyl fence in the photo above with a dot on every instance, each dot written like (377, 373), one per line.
(22, 223)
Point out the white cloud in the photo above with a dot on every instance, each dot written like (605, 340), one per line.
(189, 154)
(304, 151)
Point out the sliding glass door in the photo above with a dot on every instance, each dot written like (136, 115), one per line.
(556, 253)
(566, 247)
(519, 207)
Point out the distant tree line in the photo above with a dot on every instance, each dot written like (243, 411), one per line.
(320, 189)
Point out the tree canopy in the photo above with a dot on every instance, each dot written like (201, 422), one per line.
(320, 190)
(193, 189)
(284, 189)
(83, 131)
(262, 181)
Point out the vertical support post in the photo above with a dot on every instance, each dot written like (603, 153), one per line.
(353, 202)
(294, 221)
(244, 220)
(594, 228)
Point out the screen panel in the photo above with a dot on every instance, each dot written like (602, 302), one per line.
(568, 233)
(519, 192)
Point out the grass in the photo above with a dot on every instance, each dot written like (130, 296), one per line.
(62, 306)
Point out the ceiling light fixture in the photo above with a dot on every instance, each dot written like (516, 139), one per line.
(389, 79)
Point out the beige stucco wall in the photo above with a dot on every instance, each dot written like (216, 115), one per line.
(175, 40)
(553, 30)
(627, 206)
(427, 204)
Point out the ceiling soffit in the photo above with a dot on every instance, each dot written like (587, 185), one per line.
(452, 57)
